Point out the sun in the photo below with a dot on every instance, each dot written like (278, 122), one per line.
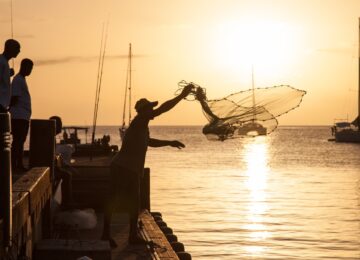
(267, 45)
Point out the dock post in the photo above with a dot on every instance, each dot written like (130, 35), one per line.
(42, 144)
(42, 153)
(5, 178)
(145, 190)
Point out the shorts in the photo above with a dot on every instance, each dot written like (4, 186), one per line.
(125, 189)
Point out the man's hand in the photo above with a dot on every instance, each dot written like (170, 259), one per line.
(177, 144)
(187, 90)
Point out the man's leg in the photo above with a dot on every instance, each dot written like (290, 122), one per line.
(109, 205)
(134, 209)
(15, 146)
(22, 138)
(66, 186)
(19, 132)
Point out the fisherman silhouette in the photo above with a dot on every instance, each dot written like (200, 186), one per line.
(216, 126)
(11, 50)
(20, 110)
(128, 164)
(65, 172)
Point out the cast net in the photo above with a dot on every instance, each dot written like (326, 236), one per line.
(246, 113)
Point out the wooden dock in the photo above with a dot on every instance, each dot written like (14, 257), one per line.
(30, 231)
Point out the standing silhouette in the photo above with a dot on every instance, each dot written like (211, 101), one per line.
(20, 110)
(128, 164)
(11, 50)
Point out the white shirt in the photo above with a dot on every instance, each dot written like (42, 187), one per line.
(5, 90)
(22, 108)
(66, 151)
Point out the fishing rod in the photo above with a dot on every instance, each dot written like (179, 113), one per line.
(12, 28)
(127, 88)
(99, 77)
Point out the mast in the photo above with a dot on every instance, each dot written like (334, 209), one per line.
(11, 19)
(127, 88)
(253, 93)
(130, 56)
(127, 94)
(358, 115)
(12, 28)
(99, 78)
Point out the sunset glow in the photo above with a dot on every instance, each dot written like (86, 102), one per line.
(267, 45)
(302, 43)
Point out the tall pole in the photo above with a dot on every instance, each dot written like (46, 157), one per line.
(358, 115)
(130, 56)
(5, 179)
(11, 19)
(12, 28)
(253, 92)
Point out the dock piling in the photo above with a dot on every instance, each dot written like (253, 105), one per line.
(42, 154)
(6, 178)
(145, 190)
(42, 144)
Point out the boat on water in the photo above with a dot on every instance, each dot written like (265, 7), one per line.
(127, 97)
(252, 128)
(98, 147)
(345, 131)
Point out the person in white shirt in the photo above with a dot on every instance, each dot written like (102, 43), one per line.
(65, 172)
(20, 110)
(11, 50)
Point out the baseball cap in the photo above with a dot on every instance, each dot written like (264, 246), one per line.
(143, 103)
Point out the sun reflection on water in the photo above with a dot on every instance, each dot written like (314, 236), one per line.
(256, 159)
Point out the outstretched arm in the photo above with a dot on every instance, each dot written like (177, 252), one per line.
(160, 143)
(172, 102)
(201, 97)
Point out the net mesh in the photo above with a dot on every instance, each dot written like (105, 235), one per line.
(246, 113)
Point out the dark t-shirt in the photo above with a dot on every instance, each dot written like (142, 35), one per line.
(133, 149)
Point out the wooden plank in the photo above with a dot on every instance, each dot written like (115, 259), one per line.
(58, 249)
(97, 161)
(21, 210)
(155, 234)
(37, 183)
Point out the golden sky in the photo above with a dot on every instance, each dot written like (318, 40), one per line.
(308, 44)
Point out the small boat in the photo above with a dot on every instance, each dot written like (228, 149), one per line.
(98, 147)
(344, 131)
(252, 129)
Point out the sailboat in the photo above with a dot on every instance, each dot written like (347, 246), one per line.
(127, 97)
(99, 146)
(345, 131)
(252, 128)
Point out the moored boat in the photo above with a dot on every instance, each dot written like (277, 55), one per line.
(345, 131)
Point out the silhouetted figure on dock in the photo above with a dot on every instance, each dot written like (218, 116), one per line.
(20, 109)
(127, 165)
(11, 50)
(65, 172)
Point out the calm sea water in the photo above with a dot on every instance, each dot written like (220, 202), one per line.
(289, 195)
